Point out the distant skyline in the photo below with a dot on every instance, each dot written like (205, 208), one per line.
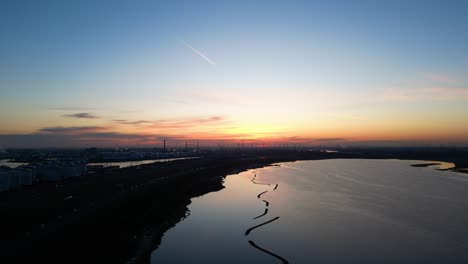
(131, 73)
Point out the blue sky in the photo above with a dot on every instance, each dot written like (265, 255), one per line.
(282, 68)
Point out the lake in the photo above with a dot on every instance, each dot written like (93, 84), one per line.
(327, 211)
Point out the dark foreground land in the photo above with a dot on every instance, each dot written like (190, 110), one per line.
(120, 216)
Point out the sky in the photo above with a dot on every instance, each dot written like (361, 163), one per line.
(132, 73)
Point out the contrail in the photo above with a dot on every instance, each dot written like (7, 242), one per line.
(199, 53)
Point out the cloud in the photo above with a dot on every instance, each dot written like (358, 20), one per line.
(311, 140)
(82, 115)
(70, 130)
(95, 139)
(187, 123)
(216, 118)
(147, 133)
(179, 124)
(103, 137)
(82, 136)
(127, 122)
(426, 86)
(439, 78)
(112, 136)
(330, 139)
(426, 94)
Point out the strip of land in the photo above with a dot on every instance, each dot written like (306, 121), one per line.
(283, 260)
(247, 232)
(424, 164)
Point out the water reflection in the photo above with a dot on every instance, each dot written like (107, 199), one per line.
(126, 164)
(8, 163)
(330, 211)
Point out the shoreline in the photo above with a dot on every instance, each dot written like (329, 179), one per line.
(121, 216)
(144, 258)
(138, 201)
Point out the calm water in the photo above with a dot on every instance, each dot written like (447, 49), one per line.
(330, 211)
(6, 162)
(125, 164)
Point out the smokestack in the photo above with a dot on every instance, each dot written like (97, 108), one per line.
(164, 148)
(186, 146)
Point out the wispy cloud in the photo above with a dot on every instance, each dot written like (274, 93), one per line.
(176, 123)
(428, 93)
(99, 139)
(127, 122)
(71, 130)
(309, 140)
(188, 123)
(81, 136)
(82, 115)
(199, 53)
(439, 78)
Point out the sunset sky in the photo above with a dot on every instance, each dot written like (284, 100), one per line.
(130, 73)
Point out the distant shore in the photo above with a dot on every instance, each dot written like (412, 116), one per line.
(120, 216)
